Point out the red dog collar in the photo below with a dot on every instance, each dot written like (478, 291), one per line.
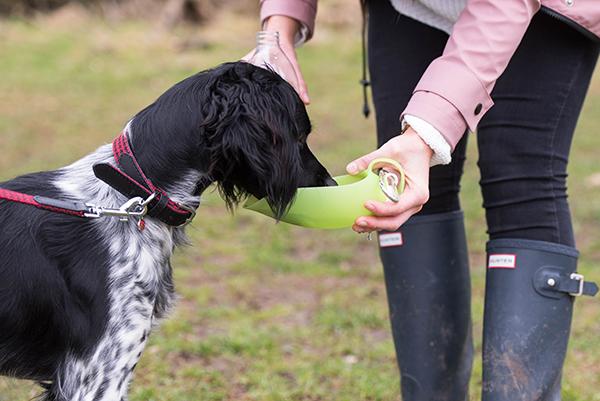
(144, 197)
(129, 179)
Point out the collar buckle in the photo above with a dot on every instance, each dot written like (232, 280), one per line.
(191, 216)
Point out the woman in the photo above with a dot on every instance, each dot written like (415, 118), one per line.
(437, 67)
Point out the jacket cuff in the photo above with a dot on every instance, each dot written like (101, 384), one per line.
(438, 112)
(456, 84)
(432, 137)
(304, 11)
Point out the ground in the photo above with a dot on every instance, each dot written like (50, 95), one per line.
(267, 311)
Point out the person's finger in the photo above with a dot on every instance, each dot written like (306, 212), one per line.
(248, 56)
(411, 198)
(360, 164)
(302, 87)
(359, 229)
(374, 223)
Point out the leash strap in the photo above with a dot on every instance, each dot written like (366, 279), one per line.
(144, 197)
(41, 202)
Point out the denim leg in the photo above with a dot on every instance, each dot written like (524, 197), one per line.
(524, 140)
(427, 277)
(524, 143)
(397, 60)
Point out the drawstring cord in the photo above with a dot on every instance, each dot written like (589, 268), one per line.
(364, 81)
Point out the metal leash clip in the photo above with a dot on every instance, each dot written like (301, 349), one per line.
(388, 182)
(135, 207)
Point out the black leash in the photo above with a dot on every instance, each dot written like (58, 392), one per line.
(145, 199)
(364, 81)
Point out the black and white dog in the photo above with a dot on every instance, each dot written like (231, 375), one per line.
(79, 296)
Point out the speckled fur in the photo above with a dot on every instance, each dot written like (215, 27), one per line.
(140, 286)
(83, 295)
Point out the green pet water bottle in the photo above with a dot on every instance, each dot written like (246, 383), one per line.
(339, 206)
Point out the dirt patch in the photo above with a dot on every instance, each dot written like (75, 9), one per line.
(512, 376)
(300, 295)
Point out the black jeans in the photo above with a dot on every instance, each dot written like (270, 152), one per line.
(524, 140)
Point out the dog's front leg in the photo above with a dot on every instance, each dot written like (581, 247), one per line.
(106, 374)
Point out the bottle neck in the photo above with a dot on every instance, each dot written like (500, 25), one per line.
(265, 39)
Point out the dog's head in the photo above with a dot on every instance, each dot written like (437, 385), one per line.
(248, 128)
(256, 127)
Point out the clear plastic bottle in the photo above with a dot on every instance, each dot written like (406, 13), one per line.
(269, 55)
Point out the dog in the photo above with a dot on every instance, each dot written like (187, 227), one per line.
(79, 295)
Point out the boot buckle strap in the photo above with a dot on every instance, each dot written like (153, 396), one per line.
(583, 287)
(552, 282)
(581, 279)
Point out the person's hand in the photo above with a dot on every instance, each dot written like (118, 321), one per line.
(287, 28)
(414, 156)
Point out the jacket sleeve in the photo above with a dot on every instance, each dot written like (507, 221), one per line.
(305, 11)
(454, 92)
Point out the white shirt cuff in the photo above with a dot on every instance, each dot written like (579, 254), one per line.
(301, 35)
(432, 137)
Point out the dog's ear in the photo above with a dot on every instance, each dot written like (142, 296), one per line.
(250, 124)
(257, 160)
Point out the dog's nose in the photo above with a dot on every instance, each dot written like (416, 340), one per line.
(330, 182)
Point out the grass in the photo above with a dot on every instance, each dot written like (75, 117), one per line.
(268, 312)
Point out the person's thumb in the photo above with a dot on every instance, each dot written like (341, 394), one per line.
(248, 56)
(360, 164)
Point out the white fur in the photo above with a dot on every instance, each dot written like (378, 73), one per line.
(140, 284)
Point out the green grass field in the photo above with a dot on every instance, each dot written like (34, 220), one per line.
(267, 312)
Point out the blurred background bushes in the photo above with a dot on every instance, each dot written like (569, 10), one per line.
(168, 12)
(268, 312)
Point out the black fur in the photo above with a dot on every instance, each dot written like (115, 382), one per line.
(250, 127)
(52, 284)
(239, 126)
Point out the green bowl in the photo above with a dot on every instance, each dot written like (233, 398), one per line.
(334, 207)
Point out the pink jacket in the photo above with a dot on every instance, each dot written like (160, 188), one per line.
(482, 43)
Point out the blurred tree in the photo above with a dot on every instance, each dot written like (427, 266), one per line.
(170, 12)
(176, 11)
(26, 6)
